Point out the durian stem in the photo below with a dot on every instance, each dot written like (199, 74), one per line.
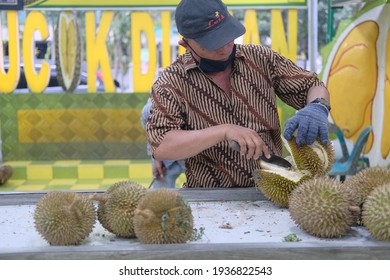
(146, 213)
(74, 203)
(98, 197)
(174, 209)
(355, 209)
(73, 206)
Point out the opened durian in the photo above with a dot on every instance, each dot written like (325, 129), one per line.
(163, 216)
(117, 205)
(366, 180)
(317, 158)
(64, 218)
(376, 212)
(277, 182)
(322, 207)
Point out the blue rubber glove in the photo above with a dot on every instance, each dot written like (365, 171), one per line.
(311, 122)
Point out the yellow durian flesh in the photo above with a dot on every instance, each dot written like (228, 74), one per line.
(163, 216)
(64, 218)
(354, 68)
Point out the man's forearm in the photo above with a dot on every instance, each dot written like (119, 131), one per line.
(317, 92)
(182, 144)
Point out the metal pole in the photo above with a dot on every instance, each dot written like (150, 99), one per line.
(330, 22)
(313, 33)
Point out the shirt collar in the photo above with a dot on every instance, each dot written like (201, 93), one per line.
(190, 63)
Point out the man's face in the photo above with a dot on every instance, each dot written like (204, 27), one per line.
(219, 54)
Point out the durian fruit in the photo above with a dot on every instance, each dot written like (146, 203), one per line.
(163, 216)
(366, 180)
(317, 158)
(376, 213)
(117, 205)
(276, 182)
(64, 218)
(322, 207)
(5, 173)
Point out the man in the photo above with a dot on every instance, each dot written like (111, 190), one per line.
(218, 92)
(166, 172)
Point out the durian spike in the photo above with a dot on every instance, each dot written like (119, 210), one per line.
(98, 197)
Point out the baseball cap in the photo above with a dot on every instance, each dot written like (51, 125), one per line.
(208, 22)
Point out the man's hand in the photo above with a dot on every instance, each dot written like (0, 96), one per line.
(158, 169)
(311, 122)
(250, 143)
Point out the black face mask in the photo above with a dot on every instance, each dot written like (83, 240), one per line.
(212, 66)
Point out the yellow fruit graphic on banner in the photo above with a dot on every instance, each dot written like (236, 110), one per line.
(357, 74)
(68, 51)
(352, 82)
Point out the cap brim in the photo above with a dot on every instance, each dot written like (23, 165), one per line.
(230, 30)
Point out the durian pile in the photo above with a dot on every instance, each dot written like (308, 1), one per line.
(322, 206)
(126, 209)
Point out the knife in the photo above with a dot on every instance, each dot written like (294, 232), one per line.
(274, 159)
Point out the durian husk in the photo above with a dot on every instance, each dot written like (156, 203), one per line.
(5, 173)
(64, 218)
(163, 216)
(308, 161)
(376, 213)
(366, 180)
(317, 158)
(102, 199)
(116, 207)
(276, 183)
(322, 207)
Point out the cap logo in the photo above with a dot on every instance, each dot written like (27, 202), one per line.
(218, 18)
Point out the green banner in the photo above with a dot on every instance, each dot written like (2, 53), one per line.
(52, 4)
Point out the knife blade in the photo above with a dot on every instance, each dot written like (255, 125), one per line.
(274, 159)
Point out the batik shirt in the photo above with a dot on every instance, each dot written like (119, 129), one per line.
(185, 98)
